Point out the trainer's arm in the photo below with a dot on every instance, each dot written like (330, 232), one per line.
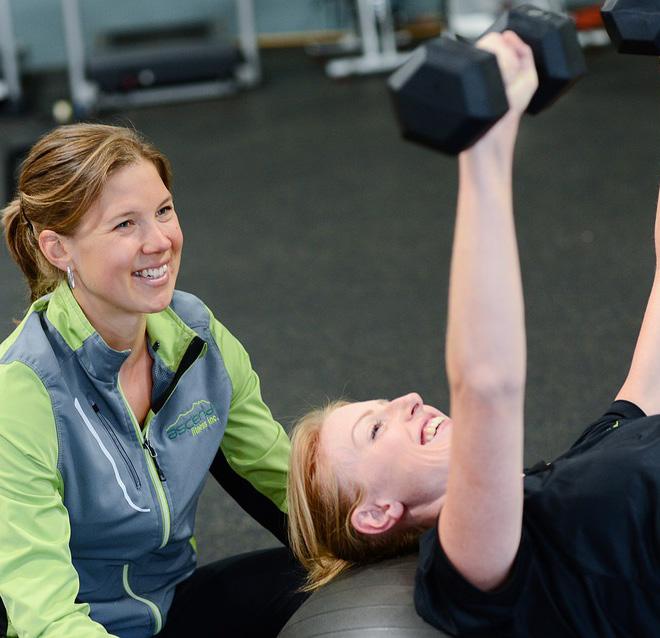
(480, 523)
(38, 583)
(252, 463)
(642, 385)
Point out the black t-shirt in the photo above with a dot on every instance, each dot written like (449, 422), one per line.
(588, 565)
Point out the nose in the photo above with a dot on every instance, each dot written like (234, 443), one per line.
(156, 240)
(408, 404)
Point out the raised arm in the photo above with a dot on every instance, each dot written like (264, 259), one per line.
(480, 523)
(642, 385)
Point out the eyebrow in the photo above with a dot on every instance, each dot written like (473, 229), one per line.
(362, 416)
(133, 212)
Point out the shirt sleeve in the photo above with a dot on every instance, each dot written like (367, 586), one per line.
(449, 602)
(38, 582)
(255, 445)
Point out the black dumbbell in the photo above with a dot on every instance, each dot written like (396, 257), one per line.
(449, 93)
(633, 25)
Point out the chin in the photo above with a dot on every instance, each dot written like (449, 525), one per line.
(159, 307)
(157, 304)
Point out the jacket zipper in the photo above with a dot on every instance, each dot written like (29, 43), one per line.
(153, 472)
(195, 349)
(158, 477)
(120, 448)
(154, 457)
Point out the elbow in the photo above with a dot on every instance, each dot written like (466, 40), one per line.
(486, 385)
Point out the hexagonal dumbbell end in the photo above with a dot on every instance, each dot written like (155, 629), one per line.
(448, 94)
(633, 25)
(557, 53)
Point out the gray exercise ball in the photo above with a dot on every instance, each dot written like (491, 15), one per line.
(375, 601)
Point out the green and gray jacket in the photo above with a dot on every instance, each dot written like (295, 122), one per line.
(96, 512)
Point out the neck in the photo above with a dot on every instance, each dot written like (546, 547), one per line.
(120, 330)
(127, 334)
(426, 515)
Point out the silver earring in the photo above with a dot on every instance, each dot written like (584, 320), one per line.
(70, 278)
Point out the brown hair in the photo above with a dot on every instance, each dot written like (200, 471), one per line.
(63, 174)
(320, 530)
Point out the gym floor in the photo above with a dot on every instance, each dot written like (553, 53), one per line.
(322, 241)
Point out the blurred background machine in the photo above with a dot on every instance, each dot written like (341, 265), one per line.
(379, 33)
(157, 65)
(10, 86)
(374, 37)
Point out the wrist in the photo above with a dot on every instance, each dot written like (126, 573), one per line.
(486, 173)
(499, 142)
(487, 161)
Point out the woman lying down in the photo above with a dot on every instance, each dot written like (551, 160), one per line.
(571, 548)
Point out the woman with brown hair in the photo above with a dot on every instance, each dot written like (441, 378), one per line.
(569, 548)
(118, 394)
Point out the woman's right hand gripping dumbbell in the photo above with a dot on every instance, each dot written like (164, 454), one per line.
(516, 63)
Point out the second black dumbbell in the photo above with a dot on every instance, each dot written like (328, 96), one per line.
(633, 25)
(449, 93)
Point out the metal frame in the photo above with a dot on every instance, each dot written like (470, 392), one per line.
(378, 42)
(86, 96)
(472, 24)
(10, 85)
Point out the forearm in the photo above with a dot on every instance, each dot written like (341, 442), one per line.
(486, 324)
(485, 331)
(657, 238)
(642, 384)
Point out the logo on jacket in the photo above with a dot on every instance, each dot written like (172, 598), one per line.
(198, 418)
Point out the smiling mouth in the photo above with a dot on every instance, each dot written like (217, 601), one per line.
(151, 273)
(430, 429)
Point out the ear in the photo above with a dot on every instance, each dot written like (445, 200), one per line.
(376, 517)
(54, 248)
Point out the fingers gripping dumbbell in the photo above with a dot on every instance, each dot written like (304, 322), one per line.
(633, 25)
(449, 93)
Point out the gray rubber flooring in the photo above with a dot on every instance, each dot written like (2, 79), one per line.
(322, 241)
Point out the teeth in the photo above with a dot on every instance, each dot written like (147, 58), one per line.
(152, 273)
(431, 428)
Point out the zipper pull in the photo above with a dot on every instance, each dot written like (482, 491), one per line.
(153, 454)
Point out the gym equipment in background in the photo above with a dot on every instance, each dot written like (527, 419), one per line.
(152, 75)
(10, 85)
(633, 25)
(377, 40)
(471, 22)
(450, 92)
(374, 601)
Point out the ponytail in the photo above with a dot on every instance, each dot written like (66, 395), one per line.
(21, 239)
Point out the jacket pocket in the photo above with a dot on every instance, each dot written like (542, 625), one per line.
(118, 445)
